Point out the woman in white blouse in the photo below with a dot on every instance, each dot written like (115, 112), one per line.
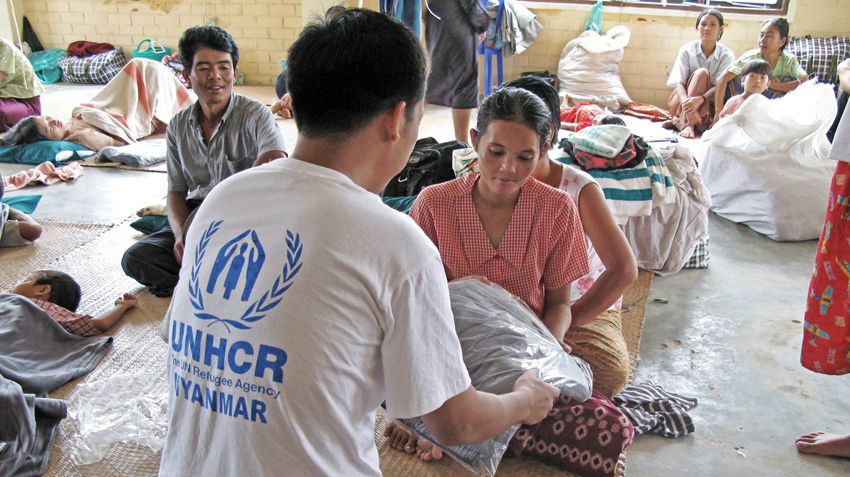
(695, 73)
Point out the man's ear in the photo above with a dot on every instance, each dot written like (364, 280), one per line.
(42, 292)
(393, 121)
(185, 74)
(473, 136)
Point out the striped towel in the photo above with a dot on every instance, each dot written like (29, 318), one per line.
(652, 409)
(635, 191)
(606, 140)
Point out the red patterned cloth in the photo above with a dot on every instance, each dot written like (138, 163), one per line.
(584, 438)
(80, 325)
(582, 114)
(542, 249)
(826, 340)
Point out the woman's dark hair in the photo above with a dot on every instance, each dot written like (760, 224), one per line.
(387, 59)
(612, 120)
(781, 24)
(545, 92)
(759, 67)
(517, 105)
(24, 132)
(206, 36)
(716, 14)
(64, 290)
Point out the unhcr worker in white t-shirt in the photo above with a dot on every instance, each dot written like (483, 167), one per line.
(304, 302)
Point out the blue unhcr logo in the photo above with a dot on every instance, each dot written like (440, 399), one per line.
(241, 259)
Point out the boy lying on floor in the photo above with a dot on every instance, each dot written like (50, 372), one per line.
(59, 296)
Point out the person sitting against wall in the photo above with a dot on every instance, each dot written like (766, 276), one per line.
(694, 75)
(221, 134)
(20, 88)
(787, 74)
(136, 103)
(595, 334)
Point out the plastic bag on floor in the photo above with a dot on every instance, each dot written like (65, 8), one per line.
(125, 408)
(502, 338)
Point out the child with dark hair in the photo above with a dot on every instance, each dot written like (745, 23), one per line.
(756, 77)
(59, 296)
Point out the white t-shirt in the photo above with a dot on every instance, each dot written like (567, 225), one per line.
(690, 58)
(840, 150)
(573, 181)
(303, 303)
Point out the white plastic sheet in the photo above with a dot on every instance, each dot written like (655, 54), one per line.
(127, 408)
(766, 165)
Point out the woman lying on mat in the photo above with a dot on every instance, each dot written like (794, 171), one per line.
(138, 102)
(595, 334)
(787, 73)
(694, 74)
(59, 296)
(503, 224)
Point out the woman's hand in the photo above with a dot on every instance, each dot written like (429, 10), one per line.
(692, 104)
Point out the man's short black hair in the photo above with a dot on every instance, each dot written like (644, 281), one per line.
(757, 66)
(206, 36)
(344, 71)
(64, 290)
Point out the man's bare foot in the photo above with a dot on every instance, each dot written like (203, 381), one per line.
(820, 443)
(399, 439)
(427, 451)
(688, 132)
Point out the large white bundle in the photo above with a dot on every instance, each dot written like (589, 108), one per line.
(767, 167)
(589, 69)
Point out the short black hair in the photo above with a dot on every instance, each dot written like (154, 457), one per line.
(206, 36)
(64, 290)
(346, 70)
(781, 24)
(547, 93)
(759, 67)
(24, 132)
(610, 119)
(516, 105)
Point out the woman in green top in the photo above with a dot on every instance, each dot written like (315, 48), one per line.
(20, 89)
(787, 72)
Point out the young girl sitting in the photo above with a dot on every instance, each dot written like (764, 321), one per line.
(59, 296)
(756, 76)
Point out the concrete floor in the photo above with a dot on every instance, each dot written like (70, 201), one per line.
(729, 335)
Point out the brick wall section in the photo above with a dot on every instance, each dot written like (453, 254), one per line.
(264, 29)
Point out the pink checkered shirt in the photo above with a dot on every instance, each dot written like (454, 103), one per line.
(543, 247)
(73, 323)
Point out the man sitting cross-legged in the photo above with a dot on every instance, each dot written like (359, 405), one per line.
(221, 134)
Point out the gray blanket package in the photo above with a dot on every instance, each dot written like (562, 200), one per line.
(27, 427)
(37, 353)
(501, 339)
(140, 154)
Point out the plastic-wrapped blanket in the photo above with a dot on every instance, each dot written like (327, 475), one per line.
(501, 339)
(766, 164)
(589, 69)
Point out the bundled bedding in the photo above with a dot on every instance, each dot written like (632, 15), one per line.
(766, 165)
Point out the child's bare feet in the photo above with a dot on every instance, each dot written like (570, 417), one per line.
(399, 439)
(820, 443)
(688, 132)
